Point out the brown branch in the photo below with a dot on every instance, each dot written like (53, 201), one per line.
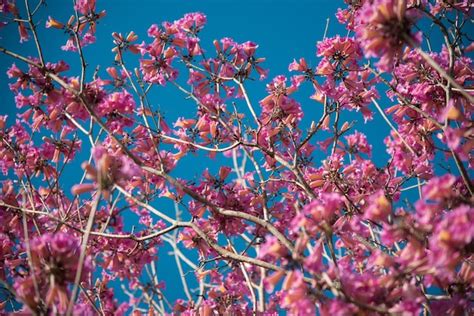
(82, 256)
(33, 31)
(268, 226)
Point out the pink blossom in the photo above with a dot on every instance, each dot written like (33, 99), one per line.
(55, 258)
(379, 207)
(383, 29)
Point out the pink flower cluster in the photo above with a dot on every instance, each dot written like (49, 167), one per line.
(81, 27)
(54, 259)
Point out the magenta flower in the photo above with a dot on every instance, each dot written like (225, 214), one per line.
(339, 54)
(379, 207)
(117, 108)
(278, 105)
(383, 29)
(55, 259)
(110, 168)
